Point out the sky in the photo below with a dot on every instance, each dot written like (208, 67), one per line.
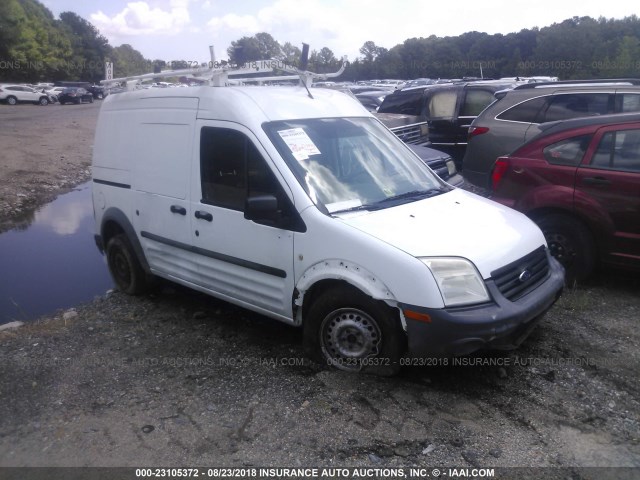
(184, 29)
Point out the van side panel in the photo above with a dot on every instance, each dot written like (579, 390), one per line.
(162, 166)
(162, 149)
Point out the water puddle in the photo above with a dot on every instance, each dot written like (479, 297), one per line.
(54, 262)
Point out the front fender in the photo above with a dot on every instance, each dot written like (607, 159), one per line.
(336, 269)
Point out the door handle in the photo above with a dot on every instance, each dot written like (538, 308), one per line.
(203, 215)
(178, 209)
(596, 181)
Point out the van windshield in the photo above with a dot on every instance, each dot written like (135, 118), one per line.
(352, 163)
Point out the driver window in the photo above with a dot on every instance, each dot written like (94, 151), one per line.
(231, 169)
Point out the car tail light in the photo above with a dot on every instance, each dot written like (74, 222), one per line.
(499, 169)
(475, 131)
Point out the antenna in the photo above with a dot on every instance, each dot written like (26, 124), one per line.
(304, 58)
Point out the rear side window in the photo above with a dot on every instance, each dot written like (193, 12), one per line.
(568, 152)
(409, 103)
(629, 102)
(475, 101)
(526, 112)
(618, 151)
(572, 105)
(442, 105)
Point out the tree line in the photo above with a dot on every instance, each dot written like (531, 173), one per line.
(35, 46)
(579, 47)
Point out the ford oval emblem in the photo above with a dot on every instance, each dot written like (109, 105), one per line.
(524, 275)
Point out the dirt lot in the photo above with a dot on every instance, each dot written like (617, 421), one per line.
(178, 379)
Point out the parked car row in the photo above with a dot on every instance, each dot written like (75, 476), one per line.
(44, 94)
(567, 155)
(449, 109)
(516, 116)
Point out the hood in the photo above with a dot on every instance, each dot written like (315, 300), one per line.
(454, 224)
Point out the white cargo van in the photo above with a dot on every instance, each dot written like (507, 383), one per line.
(310, 211)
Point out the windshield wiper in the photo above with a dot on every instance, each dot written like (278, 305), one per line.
(412, 195)
(415, 195)
(364, 206)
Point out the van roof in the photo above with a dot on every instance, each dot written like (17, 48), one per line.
(245, 105)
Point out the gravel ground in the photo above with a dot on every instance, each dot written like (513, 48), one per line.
(176, 378)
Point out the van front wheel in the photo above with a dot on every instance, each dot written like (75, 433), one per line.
(125, 269)
(350, 331)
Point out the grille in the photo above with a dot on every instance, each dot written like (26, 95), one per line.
(522, 276)
(408, 134)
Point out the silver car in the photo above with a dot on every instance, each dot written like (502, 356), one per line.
(515, 116)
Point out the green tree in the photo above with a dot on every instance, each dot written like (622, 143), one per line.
(370, 51)
(290, 54)
(32, 45)
(127, 61)
(90, 48)
(261, 46)
(627, 60)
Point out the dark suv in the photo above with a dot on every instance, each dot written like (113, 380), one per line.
(516, 116)
(449, 109)
(579, 180)
(97, 91)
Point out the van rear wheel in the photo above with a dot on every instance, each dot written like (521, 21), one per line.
(352, 332)
(124, 266)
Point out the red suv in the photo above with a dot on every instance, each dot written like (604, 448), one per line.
(579, 180)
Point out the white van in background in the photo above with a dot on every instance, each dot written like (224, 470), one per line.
(310, 211)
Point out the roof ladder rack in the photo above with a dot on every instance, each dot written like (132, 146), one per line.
(219, 74)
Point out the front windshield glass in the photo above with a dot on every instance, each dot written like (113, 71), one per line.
(352, 163)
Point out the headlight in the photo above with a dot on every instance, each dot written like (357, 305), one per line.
(451, 166)
(458, 280)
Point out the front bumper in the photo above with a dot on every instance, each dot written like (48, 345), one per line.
(501, 324)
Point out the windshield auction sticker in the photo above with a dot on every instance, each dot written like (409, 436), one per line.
(299, 143)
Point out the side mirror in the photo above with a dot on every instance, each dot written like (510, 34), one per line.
(262, 209)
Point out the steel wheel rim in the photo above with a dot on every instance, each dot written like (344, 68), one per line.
(349, 335)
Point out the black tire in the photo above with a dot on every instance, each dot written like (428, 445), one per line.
(346, 329)
(78, 101)
(124, 266)
(12, 100)
(90, 99)
(43, 101)
(100, 96)
(571, 243)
